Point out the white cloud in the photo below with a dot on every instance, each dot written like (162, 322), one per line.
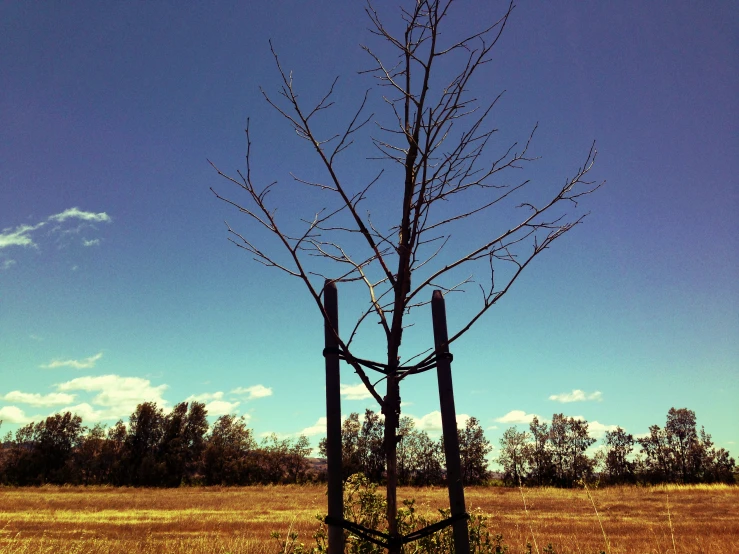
(598, 430)
(255, 391)
(89, 413)
(214, 403)
(35, 399)
(205, 397)
(576, 395)
(76, 213)
(221, 407)
(12, 414)
(20, 236)
(518, 416)
(118, 395)
(355, 392)
(7, 264)
(85, 363)
(492, 427)
(93, 242)
(432, 421)
(318, 428)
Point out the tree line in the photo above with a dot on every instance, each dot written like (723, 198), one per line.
(154, 450)
(420, 458)
(555, 454)
(180, 448)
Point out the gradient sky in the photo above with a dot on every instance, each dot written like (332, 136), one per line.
(117, 283)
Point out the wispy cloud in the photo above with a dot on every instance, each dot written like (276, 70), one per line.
(576, 395)
(354, 392)
(76, 213)
(20, 236)
(518, 417)
(23, 235)
(85, 363)
(35, 399)
(255, 391)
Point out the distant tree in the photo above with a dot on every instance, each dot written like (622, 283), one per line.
(420, 459)
(541, 457)
(113, 455)
(568, 440)
(145, 431)
(54, 441)
(515, 456)
(351, 457)
(717, 466)
(283, 460)
(87, 459)
(682, 437)
(619, 465)
(429, 462)
(680, 454)
(474, 448)
(371, 446)
(362, 443)
(226, 457)
(182, 442)
(658, 459)
(406, 450)
(19, 462)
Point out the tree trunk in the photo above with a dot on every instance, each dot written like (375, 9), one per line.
(392, 415)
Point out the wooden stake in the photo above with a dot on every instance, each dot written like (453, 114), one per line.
(333, 418)
(449, 423)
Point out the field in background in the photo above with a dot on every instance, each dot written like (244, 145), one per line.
(704, 518)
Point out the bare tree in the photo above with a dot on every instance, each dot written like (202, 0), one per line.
(432, 141)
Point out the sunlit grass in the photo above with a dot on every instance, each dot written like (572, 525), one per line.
(701, 518)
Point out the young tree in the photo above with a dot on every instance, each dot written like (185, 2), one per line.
(435, 170)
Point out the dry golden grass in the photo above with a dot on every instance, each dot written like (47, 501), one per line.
(239, 520)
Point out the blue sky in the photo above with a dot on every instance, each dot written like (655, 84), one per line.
(117, 283)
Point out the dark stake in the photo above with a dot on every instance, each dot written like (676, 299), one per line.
(449, 423)
(333, 418)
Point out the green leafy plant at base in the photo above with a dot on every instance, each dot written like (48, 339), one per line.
(363, 505)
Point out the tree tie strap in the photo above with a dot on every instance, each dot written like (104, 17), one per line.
(425, 365)
(386, 541)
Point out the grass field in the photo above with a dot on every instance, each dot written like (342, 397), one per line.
(238, 520)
